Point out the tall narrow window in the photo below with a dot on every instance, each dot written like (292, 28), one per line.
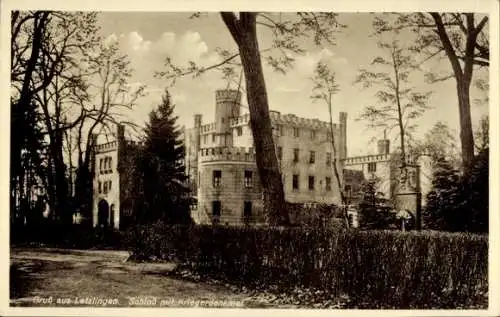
(328, 158)
(311, 182)
(247, 212)
(248, 180)
(312, 134)
(281, 130)
(105, 189)
(296, 132)
(239, 131)
(312, 157)
(347, 190)
(109, 164)
(109, 186)
(279, 152)
(101, 160)
(216, 180)
(213, 138)
(100, 187)
(295, 155)
(372, 167)
(216, 211)
(295, 181)
(328, 184)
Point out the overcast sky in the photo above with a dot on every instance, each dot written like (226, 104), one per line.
(148, 38)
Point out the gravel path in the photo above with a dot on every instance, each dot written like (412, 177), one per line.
(57, 277)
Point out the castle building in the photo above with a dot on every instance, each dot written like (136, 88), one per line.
(220, 162)
(223, 176)
(406, 188)
(106, 181)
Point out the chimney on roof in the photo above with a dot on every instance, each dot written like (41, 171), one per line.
(383, 145)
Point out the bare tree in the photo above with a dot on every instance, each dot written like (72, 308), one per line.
(111, 97)
(397, 104)
(325, 87)
(461, 37)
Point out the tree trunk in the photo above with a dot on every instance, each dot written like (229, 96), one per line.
(20, 112)
(245, 35)
(466, 135)
(463, 79)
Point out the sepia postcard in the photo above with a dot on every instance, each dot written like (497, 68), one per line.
(267, 157)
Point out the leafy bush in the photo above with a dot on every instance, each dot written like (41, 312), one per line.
(397, 269)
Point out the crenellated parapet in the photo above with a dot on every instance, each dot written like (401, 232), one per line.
(239, 154)
(227, 95)
(239, 121)
(287, 120)
(366, 159)
(135, 143)
(355, 160)
(106, 147)
(208, 128)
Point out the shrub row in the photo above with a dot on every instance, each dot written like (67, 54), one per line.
(403, 269)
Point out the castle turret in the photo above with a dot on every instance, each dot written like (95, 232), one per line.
(383, 145)
(227, 107)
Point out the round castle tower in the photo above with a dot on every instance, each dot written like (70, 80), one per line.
(227, 107)
(229, 190)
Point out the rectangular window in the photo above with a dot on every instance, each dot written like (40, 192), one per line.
(100, 187)
(295, 181)
(372, 167)
(328, 158)
(109, 164)
(347, 190)
(213, 138)
(217, 175)
(281, 130)
(101, 160)
(313, 135)
(105, 189)
(239, 131)
(296, 132)
(279, 152)
(328, 184)
(295, 155)
(247, 212)
(216, 211)
(312, 157)
(205, 139)
(311, 182)
(248, 180)
(109, 186)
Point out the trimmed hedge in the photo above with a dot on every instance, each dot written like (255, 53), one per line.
(399, 269)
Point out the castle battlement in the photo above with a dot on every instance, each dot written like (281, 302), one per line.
(287, 119)
(227, 95)
(109, 146)
(239, 154)
(209, 127)
(132, 142)
(241, 120)
(410, 160)
(366, 159)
